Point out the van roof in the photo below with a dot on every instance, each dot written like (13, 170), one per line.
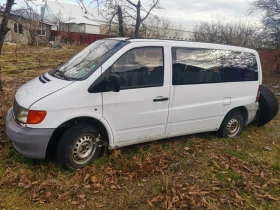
(183, 43)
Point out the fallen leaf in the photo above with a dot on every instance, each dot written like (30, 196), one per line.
(187, 148)
(264, 186)
(149, 203)
(266, 196)
(75, 202)
(199, 193)
(238, 196)
(175, 199)
(97, 185)
(99, 206)
(86, 177)
(81, 206)
(140, 184)
(94, 179)
(158, 198)
(83, 197)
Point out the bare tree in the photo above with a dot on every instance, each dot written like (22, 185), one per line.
(115, 15)
(160, 27)
(239, 33)
(124, 15)
(271, 22)
(139, 18)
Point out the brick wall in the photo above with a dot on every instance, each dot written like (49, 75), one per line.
(269, 60)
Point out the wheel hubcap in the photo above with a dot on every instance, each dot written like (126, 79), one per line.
(233, 127)
(83, 149)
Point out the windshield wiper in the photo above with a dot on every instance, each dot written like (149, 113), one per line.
(62, 75)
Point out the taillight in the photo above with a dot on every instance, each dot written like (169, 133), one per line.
(35, 117)
(259, 93)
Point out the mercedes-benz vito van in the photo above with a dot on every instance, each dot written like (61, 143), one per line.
(119, 92)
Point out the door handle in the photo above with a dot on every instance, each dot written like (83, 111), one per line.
(160, 99)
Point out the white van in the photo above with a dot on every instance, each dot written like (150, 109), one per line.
(119, 92)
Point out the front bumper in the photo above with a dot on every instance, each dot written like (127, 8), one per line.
(30, 142)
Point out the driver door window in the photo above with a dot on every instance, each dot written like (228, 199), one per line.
(140, 68)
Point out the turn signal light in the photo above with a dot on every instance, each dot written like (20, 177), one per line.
(35, 117)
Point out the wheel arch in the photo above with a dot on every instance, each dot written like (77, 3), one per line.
(242, 109)
(101, 124)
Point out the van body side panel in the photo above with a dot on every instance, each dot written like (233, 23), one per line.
(240, 93)
(195, 108)
(71, 102)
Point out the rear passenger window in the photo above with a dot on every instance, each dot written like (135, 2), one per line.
(140, 68)
(239, 66)
(202, 66)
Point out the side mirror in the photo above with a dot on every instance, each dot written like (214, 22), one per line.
(113, 83)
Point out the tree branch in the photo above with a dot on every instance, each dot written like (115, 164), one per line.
(131, 3)
(152, 7)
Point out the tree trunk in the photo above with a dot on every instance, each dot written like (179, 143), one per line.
(4, 30)
(138, 19)
(120, 17)
(4, 26)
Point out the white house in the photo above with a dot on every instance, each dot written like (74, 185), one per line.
(72, 17)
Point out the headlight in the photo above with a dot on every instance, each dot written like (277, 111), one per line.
(21, 114)
(26, 116)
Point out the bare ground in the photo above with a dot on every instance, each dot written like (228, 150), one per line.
(190, 172)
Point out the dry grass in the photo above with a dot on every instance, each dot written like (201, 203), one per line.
(190, 172)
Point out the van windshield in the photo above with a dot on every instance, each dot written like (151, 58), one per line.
(82, 64)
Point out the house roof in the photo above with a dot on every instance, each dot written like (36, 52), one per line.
(70, 13)
(13, 14)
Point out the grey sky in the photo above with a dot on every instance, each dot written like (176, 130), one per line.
(190, 12)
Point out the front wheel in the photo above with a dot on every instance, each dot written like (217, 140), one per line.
(79, 146)
(232, 125)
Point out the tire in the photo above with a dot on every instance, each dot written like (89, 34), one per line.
(268, 106)
(232, 125)
(78, 146)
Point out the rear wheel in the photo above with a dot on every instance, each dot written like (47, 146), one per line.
(232, 125)
(79, 146)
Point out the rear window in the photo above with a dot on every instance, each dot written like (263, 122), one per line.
(200, 66)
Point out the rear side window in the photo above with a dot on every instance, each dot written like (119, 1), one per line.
(140, 68)
(202, 66)
(239, 66)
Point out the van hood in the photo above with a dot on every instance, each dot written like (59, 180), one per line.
(39, 88)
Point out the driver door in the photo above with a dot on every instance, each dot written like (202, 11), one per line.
(139, 111)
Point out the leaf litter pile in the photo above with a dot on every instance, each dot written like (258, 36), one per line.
(168, 178)
(191, 172)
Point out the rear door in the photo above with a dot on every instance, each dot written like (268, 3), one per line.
(197, 102)
(139, 111)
